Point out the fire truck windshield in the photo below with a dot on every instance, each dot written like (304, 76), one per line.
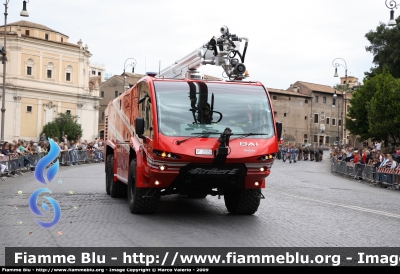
(188, 108)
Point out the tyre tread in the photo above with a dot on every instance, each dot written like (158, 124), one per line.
(242, 202)
(142, 205)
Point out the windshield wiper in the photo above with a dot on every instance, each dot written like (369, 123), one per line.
(199, 134)
(244, 135)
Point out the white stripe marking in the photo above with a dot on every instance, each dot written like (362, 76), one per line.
(348, 206)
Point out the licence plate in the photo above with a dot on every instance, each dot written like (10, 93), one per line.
(200, 151)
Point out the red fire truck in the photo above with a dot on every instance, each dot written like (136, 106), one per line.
(180, 133)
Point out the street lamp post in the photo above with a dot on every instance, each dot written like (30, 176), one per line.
(333, 105)
(24, 13)
(133, 64)
(336, 65)
(392, 4)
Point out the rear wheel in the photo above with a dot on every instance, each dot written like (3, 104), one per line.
(242, 201)
(109, 172)
(141, 200)
(116, 189)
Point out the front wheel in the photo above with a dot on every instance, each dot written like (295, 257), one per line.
(141, 200)
(242, 201)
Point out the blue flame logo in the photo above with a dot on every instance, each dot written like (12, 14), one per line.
(35, 209)
(40, 176)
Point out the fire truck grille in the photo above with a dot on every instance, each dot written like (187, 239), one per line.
(203, 176)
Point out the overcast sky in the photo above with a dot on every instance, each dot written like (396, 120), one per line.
(289, 40)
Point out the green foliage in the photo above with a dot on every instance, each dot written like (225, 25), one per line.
(385, 47)
(357, 117)
(384, 108)
(63, 123)
(374, 111)
(52, 130)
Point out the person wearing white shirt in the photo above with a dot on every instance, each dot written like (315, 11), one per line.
(3, 168)
(378, 146)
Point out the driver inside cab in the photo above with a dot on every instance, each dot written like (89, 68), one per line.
(206, 114)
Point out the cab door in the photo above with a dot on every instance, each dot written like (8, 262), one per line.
(146, 112)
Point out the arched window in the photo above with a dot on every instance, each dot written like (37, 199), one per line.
(30, 67)
(68, 73)
(50, 70)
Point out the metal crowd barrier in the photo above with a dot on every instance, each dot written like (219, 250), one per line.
(16, 164)
(80, 157)
(385, 177)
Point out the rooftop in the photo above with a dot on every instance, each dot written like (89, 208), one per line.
(27, 24)
(315, 87)
(286, 92)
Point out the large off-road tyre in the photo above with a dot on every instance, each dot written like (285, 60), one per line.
(138, 203)
(242, 201)
(109, 172)
(117, 189)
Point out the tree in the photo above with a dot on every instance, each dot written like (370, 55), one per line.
(385, 47)
(51, 130)
(384, 108)
(66, 123)
(374, 111)
(357, 117)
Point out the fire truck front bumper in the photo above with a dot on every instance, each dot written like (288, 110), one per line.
(208, 176)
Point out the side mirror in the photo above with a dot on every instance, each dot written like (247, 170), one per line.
(139, 127)
(279, 129)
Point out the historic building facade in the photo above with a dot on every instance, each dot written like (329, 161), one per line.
(310, 114)
(46, 75)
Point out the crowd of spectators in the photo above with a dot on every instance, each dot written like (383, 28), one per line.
(26, 150)
(371, 156)
(70, 149)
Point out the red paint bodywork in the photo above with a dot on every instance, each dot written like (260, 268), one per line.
(121, 141)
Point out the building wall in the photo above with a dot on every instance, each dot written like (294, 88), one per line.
(29, 128)
(47, 97)
(323, 128)
(297, 113)
(97, 70)
(108, 88)
(291, 110)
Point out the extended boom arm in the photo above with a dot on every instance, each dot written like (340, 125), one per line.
(223, 51)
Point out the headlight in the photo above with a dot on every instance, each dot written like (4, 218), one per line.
(267, 157)
(166, 154)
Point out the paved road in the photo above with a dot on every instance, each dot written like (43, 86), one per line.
(304, 206)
